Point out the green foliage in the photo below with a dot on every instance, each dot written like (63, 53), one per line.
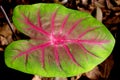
(64, 42)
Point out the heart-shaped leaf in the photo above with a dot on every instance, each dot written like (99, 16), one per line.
(63, 42)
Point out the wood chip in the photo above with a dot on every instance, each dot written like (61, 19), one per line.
(99, 14)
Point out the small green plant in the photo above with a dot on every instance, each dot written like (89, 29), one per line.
(63, 42)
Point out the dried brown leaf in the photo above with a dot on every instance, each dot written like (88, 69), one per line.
(94, 74)
(6, 32)
(99, 14)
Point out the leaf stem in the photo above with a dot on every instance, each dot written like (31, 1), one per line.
(8, 21)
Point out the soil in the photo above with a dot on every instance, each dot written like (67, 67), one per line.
(106, 11)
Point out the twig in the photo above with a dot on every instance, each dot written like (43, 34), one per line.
(8, 21)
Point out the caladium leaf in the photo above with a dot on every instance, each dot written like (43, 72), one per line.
(63, 42)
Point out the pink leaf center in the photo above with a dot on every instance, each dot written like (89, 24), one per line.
(59, 39)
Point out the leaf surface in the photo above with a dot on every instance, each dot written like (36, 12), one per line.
(63, 42)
